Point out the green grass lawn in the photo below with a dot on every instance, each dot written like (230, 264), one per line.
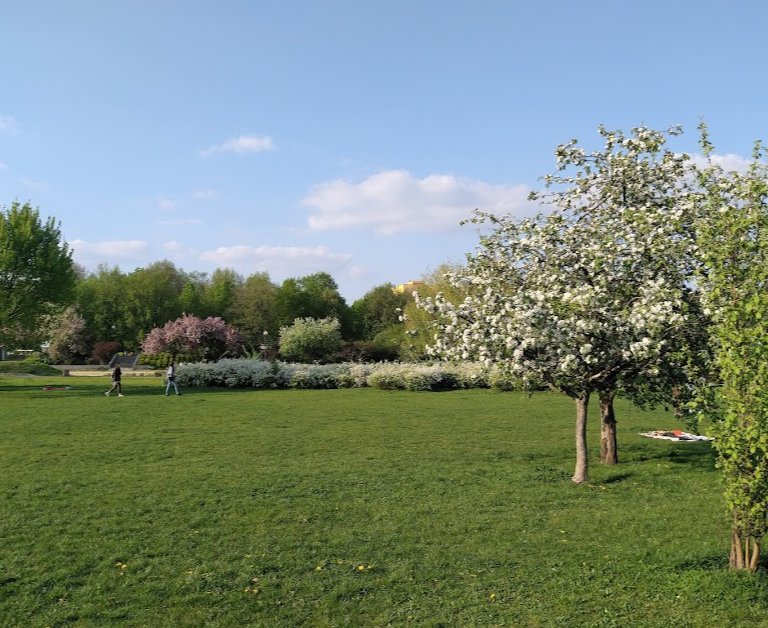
(351, 508)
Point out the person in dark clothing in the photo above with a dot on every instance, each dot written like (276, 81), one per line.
(117, 385)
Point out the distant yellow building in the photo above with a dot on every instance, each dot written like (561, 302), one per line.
(407, 288)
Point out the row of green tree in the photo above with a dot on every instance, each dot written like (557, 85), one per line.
(126, 306)
(45, 297)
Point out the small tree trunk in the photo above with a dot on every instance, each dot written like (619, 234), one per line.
(676, 406)
(755, 558)
(609, 453)
(745, 549)
(581, 474)
(737, 552)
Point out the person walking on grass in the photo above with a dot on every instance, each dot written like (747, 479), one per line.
(117, 375)
(170, 376)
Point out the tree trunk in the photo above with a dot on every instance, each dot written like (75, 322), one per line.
(609, 453)
(676, 405)
(745, 549)
(581, 474)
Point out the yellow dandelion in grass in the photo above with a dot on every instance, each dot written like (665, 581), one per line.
(361, 567)
(492, 597)
(319, 568)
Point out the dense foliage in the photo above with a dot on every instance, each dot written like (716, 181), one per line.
(377, 311)
(36, 271)
(311, 339)
(735, 252)
(115, 309)
(125, 307)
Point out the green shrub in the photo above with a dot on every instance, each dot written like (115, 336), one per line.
(310, 339)
(356, 375)
(414, 377)
(469, 375)
(316, 376)
(230, 373)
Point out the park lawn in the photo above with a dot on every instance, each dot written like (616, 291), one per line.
(351, 508)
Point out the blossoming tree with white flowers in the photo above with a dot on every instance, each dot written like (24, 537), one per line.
(593, 297)
(638, 181)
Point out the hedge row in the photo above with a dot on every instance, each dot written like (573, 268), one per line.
(256, 373)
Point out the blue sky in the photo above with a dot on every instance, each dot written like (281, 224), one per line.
(346, 136)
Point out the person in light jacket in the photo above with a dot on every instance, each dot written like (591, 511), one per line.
(170, 377)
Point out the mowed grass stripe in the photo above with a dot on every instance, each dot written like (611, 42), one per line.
(351, 508)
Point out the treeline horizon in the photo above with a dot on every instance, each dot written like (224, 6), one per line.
(122, 307)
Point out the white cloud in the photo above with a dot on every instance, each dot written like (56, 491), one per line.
(395, 201)
(181, 221)
(179, 252)
(8, 125)
(167, 204)
(109, 252)
(204, 194)
(242, 144)
(35, 185)
(728, 162)
(279, 261)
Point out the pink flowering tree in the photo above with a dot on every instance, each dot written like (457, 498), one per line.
(207, 338)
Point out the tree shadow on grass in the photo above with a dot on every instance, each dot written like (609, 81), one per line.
(706, 562)
(709, 579)
(699, 455)
(719, 562)
(616, 478)
(25, 388)
(89, 388)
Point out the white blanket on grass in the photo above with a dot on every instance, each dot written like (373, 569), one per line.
(676, 435)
